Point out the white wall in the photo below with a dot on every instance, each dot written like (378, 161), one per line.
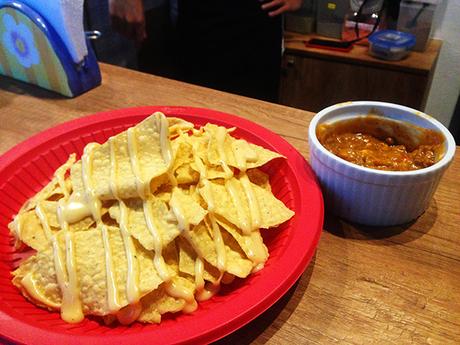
(445, 88)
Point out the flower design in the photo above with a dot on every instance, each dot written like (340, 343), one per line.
(19, 41)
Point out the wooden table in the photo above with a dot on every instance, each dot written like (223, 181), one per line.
(394, 285)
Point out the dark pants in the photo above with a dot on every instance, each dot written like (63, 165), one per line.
(156, 53)
(231, 46)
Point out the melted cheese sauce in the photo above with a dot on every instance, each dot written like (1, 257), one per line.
(132, 149)
(207, 195)
(95, 206)
(257, 252)
(165, 144)
(253, 204)
(159, 262)
(78, 206)
(113, 169)
(219, 245)
(238, 149)
(178, 291)
(199, 281)
(204, 291)
(203, 294)
(181, 221)
(112, 290)
(74, 311)
(184, 226)
(243, 153)
(132, 289)
(241, 212)
(71, 309)
(43, 220)
(66, 275)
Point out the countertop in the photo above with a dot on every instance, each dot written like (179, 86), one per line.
(416, 62)
(393, 285)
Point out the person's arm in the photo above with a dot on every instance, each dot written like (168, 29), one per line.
(128, 18)
(277, 7)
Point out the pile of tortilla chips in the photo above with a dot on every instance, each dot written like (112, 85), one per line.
(147, 223)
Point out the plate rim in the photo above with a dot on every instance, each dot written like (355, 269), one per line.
(237, 321)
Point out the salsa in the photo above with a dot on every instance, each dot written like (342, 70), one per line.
(383, 144)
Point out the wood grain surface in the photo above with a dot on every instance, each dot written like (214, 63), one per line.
(416, 62)
(398, 285)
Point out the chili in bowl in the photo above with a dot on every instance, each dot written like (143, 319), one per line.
(378, 163)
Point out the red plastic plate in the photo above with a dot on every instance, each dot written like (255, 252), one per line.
(26, 168)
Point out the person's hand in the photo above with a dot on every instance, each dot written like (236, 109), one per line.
(128, 18)
(277, 7)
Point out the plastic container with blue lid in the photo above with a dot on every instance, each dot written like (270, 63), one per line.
(391, 44)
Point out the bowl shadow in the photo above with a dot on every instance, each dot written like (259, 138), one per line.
(285, 305)
(395, 234)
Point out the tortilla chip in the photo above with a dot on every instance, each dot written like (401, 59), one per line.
(273, 212)
(190, 205)
(32, 229)
(182, 151)
(157, 303)
(185, 174)
(235, 150)
(187, 206)
(34, 235)
(55, 189)
(91, 272)
(177, 125)
(171, 258)
(236, 261)
(252, 245)
(160, 301)
(163, 219)
(187, 257)
(151, 163)
(216, 172)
